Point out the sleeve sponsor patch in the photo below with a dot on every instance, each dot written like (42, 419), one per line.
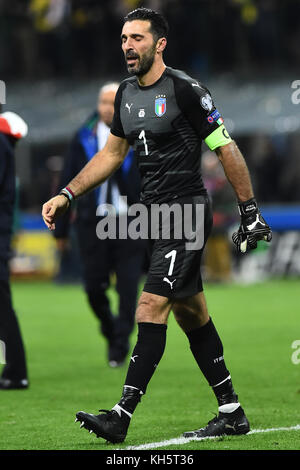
(215, 116)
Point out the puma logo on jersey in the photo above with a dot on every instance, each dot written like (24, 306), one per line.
(169, 282)
(133, 358)
(128, 107)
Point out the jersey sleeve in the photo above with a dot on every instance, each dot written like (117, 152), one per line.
(116, 127)
(196, 103)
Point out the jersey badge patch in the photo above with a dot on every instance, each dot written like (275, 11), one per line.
(215, 116)
(160, 105)
(206, 102)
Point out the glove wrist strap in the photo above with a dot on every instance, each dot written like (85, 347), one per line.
(247, 208)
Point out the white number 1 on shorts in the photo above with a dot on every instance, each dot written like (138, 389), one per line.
(171, 254)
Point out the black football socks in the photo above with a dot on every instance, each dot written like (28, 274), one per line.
(207, 350)
(145, 358)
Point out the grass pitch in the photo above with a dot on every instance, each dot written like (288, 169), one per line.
(68, 372)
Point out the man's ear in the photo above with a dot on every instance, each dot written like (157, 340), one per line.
(161, 44)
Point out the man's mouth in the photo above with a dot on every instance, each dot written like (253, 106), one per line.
(131, 59)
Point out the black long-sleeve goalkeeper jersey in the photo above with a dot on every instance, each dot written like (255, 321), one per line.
(165, 123)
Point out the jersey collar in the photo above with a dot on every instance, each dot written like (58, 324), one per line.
(155, 83)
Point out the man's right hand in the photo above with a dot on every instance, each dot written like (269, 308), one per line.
(54, 208)
(252, 229)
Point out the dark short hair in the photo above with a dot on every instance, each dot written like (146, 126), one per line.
(159, 25)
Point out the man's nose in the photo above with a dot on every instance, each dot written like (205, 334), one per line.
(128, 45)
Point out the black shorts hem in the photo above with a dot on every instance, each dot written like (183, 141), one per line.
(181, 294)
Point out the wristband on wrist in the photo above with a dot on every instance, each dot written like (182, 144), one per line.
(66, 196)
(68, 193)
(247, 207)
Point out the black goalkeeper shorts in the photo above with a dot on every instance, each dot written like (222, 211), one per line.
(174, 270)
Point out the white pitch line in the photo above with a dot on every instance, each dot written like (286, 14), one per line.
(185, 440)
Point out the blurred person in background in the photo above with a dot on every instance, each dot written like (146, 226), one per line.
(218, 251)
(14, 373)
(69, 263)
(51, 24)
(101, 258)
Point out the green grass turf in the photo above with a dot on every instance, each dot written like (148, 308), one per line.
(69, 372)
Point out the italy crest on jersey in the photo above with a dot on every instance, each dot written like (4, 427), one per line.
(160, 105)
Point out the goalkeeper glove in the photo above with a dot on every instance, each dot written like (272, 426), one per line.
(253, 227)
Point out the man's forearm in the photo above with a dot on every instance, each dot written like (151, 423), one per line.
(95, 172)
(236, 170)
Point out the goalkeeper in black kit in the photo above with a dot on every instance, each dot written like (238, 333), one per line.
(165, 115)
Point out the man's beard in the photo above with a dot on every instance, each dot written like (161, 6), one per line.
(144, 65)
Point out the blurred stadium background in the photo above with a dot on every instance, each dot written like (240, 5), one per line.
(54, 56)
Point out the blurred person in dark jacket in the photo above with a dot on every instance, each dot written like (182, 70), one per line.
(14, 372)
(101, 258)
(218, 251)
